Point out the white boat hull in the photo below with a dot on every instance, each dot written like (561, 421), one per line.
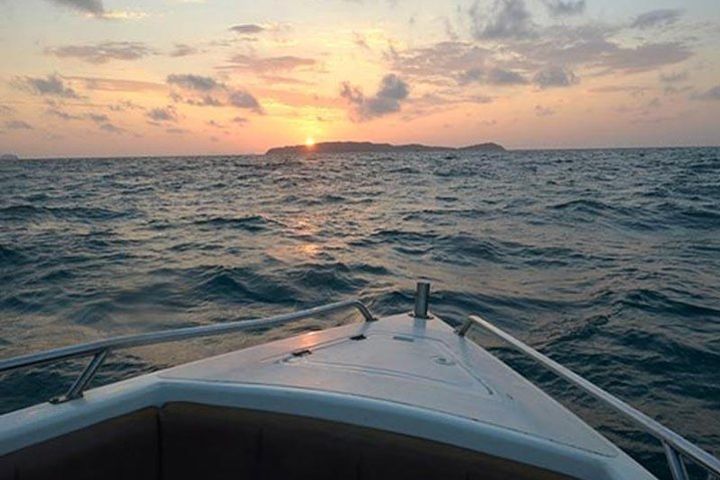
(399, 374)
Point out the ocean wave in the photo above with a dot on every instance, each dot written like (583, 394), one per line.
(10, 256)
(25, 212)
(656, 301)
(606, 260)
(584, 206)
(250, 223)
(238, 285)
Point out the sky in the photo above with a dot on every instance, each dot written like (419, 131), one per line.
(193, 77)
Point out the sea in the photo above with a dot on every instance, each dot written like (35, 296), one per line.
(607, 261)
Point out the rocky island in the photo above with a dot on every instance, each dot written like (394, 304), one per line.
(370, 147)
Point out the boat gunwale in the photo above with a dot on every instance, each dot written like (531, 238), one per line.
(42, 422)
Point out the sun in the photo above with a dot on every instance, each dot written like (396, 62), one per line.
(309, 142)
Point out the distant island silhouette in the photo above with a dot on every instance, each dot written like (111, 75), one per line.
(364, 147)
(9, 156)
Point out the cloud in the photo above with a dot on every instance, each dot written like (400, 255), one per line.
(359, 40)
(56, 112)
(163, 114)
(477, 99)
(567, 45)
(247, 29)
(193, 82)
(494, 76)
(93, 7)
(183, 50)
(673, 77)
(17, 125)
(673, 90)
(279, 79)
(118, 84)
(635, 91)
(654, 103)
(213, 93)
(123, 15)
(102, 52)
(595, 49)
(440, 61)
(6, 109)
(109, 127)
(52, 85)
(657, 18)
(592, 46)
(269, 64)
(711, 94)
(645, 57)
(124, 105)
(472, 75)
(554, 76)
(62, 114)
(176, 131)
(243, 99)
(393, 88)
(541, 111)
(559, 8)
(96, 9)
(498, 76)
(391, 92)
(203, 101)
(98, 117)
(509, 19)
(240, 120)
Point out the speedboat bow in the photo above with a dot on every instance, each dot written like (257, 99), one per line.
(400, 397)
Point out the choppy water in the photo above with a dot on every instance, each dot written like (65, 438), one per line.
(607, 260)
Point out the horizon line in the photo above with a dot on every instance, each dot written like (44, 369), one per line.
(207, 155)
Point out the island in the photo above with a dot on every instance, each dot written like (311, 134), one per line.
(9, 156)
(370, 147)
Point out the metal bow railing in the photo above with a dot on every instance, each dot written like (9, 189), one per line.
(100, 349)
(676, 447)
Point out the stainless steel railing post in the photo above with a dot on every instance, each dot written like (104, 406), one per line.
(80, 383)
(675, 463)
(422, 298)
(463, 329)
